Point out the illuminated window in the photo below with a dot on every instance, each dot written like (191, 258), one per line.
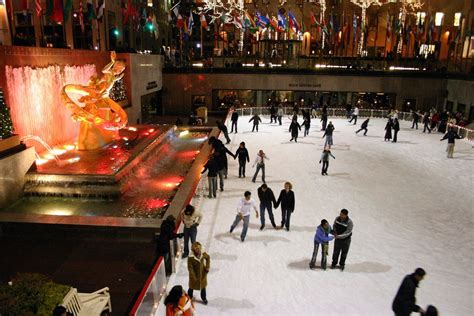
(457, 19)
(150, 3)
(420, 17)
(439, 18)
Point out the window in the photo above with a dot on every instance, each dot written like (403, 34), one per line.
(53, 33)
(457, 19)
(420, 18)
(439, 18)
(24, 29)
(82, 39)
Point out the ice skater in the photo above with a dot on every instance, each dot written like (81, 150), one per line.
(426, 122)
(328, 134)
(256, 120)
(234, 118)
(324, 120)
(405, 301)
(243, 214)
(280, 114)
(260, 163)
(364, 126)
(199, 264)
(267, 198)
(243, 155)
(191, 220)
(342, 232)
(325, 159)
(294, 128)
(307, 125)
(396, 129)
(388, 130)
(212, 168)
(221, 126)
(177, 302)
(323, 236)
(287, 201)
(416, 119)
(355, 114)
(451, 136)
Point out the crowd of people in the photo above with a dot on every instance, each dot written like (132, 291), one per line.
(341, 231)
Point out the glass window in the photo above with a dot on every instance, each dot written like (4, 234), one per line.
(457, 19)
(24, 29)
(439, 18)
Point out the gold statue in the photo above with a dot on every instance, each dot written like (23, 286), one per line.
(100, 117)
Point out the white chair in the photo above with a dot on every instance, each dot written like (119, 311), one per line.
(88, 304)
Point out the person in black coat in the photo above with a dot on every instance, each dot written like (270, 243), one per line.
(266, 197)
(212, 168)
(234, 118)
(324, 120)
(405, 302)
(273, 112)
(451, 136)
(294, 128)
(221, 153)
(307, 125)
(167, 233)
(224, 130)
(416, 119)
(256, 120)
(243, 155)
(388, 130)
(396, 128)
(364, 127)
(287, 200)
(426, 123)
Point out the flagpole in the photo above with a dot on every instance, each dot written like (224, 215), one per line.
(201, 43)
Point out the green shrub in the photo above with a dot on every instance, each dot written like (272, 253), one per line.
(31, 294)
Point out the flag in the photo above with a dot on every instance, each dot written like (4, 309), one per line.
(175, 9)
(293, 22)
(282, 23)
(180, 22)
(9, 8)
(236, 21)
(25, 5)
(67, 10)
(389, 26)
(100, 10)
(249, 21)
(57, 11)
(262, 21)
(38, 7)
(190, 23)
(90, 10)
(81, 16)
(354, 25)
(129, 12)
(313, 20)
(274, 24)
(203, 21)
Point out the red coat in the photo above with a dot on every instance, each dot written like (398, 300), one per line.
(185, 307)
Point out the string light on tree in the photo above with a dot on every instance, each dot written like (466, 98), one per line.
(407, 7)
(364, 5)
(322, 4)
(6, 124)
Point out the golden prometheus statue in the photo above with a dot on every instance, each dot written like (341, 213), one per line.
(100, 117)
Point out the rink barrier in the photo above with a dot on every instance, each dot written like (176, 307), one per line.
(466, 133)
(153, 292)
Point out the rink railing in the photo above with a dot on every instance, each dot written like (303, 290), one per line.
(467, 134)
(152, 295)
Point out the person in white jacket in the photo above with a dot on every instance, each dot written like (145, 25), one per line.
(260, 162)
(355, 114)
(243, 213)
(191, 219)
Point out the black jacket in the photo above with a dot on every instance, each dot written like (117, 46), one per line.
(329, 130)
(234, 117)
(396, 126)
(243, 154)
(267, 196)
(294, 127)
(212, 167)
(287, 200)
(221, 153)
(404, 302)
(222, 127)
(365, 124)
(451, 137)
(416, 117)
(166, 234)
(256, 119)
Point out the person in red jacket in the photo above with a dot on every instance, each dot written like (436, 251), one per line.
(179, 303)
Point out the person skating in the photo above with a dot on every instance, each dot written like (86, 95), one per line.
(348, 110)
(280, 114)
(342, 227)
(243, 214)
(177, 302)
(355, 114)
(287, 201)
(396, 129)
(221, 126)
(404, 302)
(294, 128)
(388, 130)
(243, 155)
(426, 122)
(256, 120)
(322, 237)
(451, 136)
(416, 119)
(328, 134)
(221, 153)
(167, 233)
(273, 113)
(364, 127)
(191, 220)
(234, 118)
(325, 159)
(307, 125)
(199, 264)
(212, 168)
(260, 163)
(267, 198)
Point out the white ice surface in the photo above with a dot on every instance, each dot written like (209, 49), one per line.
(411, 206)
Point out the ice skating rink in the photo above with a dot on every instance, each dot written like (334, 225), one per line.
(411, 206)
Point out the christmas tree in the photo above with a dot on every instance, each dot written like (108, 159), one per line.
(118, 92)
(6, 124)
